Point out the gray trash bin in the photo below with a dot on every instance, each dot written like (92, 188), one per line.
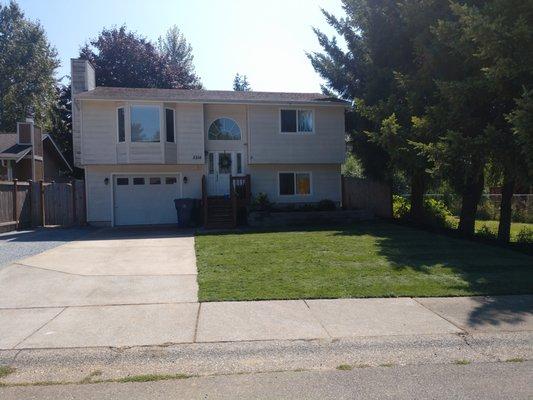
(184, 208)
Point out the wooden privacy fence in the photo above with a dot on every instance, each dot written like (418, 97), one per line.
(368, 195)
(28, 204)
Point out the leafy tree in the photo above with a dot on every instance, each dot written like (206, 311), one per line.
(126, 59)
(240, 83)
(386, 71)
(178, 60)
(27, 65)
(123, 58)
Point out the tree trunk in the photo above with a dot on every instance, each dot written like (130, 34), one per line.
(471, 197)
(418, 188)
(504, 227)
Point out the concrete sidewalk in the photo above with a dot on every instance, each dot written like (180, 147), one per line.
(167, 323)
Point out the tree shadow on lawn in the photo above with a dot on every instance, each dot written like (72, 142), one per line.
(486, 270)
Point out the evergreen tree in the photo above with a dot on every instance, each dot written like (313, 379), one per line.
(178, 60)
(61, 120)
(489, 52)
(240, 83)
(27, 66)
(501, 34)
(386, 70)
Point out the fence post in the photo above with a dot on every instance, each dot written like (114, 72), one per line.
(343, 193)
(41, 187)
(30, 201)
(73, 183)
(15, 217)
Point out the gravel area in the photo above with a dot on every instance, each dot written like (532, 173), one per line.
(20, 244)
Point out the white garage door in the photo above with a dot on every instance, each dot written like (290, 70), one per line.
(145, 199)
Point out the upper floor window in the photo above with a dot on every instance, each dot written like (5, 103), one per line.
(145, 124)
(169, 119)
(296, 121)
(121, 125)
(224, 129)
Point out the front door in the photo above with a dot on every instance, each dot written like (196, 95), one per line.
(221, 165)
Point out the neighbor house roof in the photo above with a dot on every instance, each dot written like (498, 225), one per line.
(11, 150)
(206, 96)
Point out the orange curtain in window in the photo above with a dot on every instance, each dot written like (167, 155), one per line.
(303, 184)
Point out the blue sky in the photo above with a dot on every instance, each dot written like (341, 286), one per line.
(266, 40)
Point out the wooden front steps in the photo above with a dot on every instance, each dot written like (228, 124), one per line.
(220, 212)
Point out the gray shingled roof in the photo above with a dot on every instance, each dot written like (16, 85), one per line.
(207, 96)
(9, 149)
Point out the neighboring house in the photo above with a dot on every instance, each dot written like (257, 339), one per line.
(31, 155)
(142, 148)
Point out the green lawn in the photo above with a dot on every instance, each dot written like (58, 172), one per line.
(493, 226)
(372, 259)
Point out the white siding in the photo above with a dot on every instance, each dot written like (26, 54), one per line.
(145, 153)
(76, 133)
(122, 153)
(99, 194)
(99, 127)
(267, 145)
(190, 133)
(171, 153)
(325, 182)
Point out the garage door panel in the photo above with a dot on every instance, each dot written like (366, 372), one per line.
(145, 199)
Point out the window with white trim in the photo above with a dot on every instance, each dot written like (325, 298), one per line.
(121, 124)
(296, 121)
(294, 183)
(169, 122)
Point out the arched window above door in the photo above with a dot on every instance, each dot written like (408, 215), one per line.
(224, 129)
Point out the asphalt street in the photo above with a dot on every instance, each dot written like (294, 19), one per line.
(501, 380)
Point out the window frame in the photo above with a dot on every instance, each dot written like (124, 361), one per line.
(173, 125)
(295, 194)
(123, 108)
(298, 132)
(161, 122)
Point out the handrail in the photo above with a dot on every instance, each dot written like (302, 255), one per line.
(233, 197)
(204, 199)
(241, 186)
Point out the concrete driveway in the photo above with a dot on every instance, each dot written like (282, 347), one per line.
(112, 287)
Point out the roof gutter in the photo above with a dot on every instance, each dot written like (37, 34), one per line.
(238, 102)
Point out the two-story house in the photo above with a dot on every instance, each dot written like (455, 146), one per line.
(143, 148)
